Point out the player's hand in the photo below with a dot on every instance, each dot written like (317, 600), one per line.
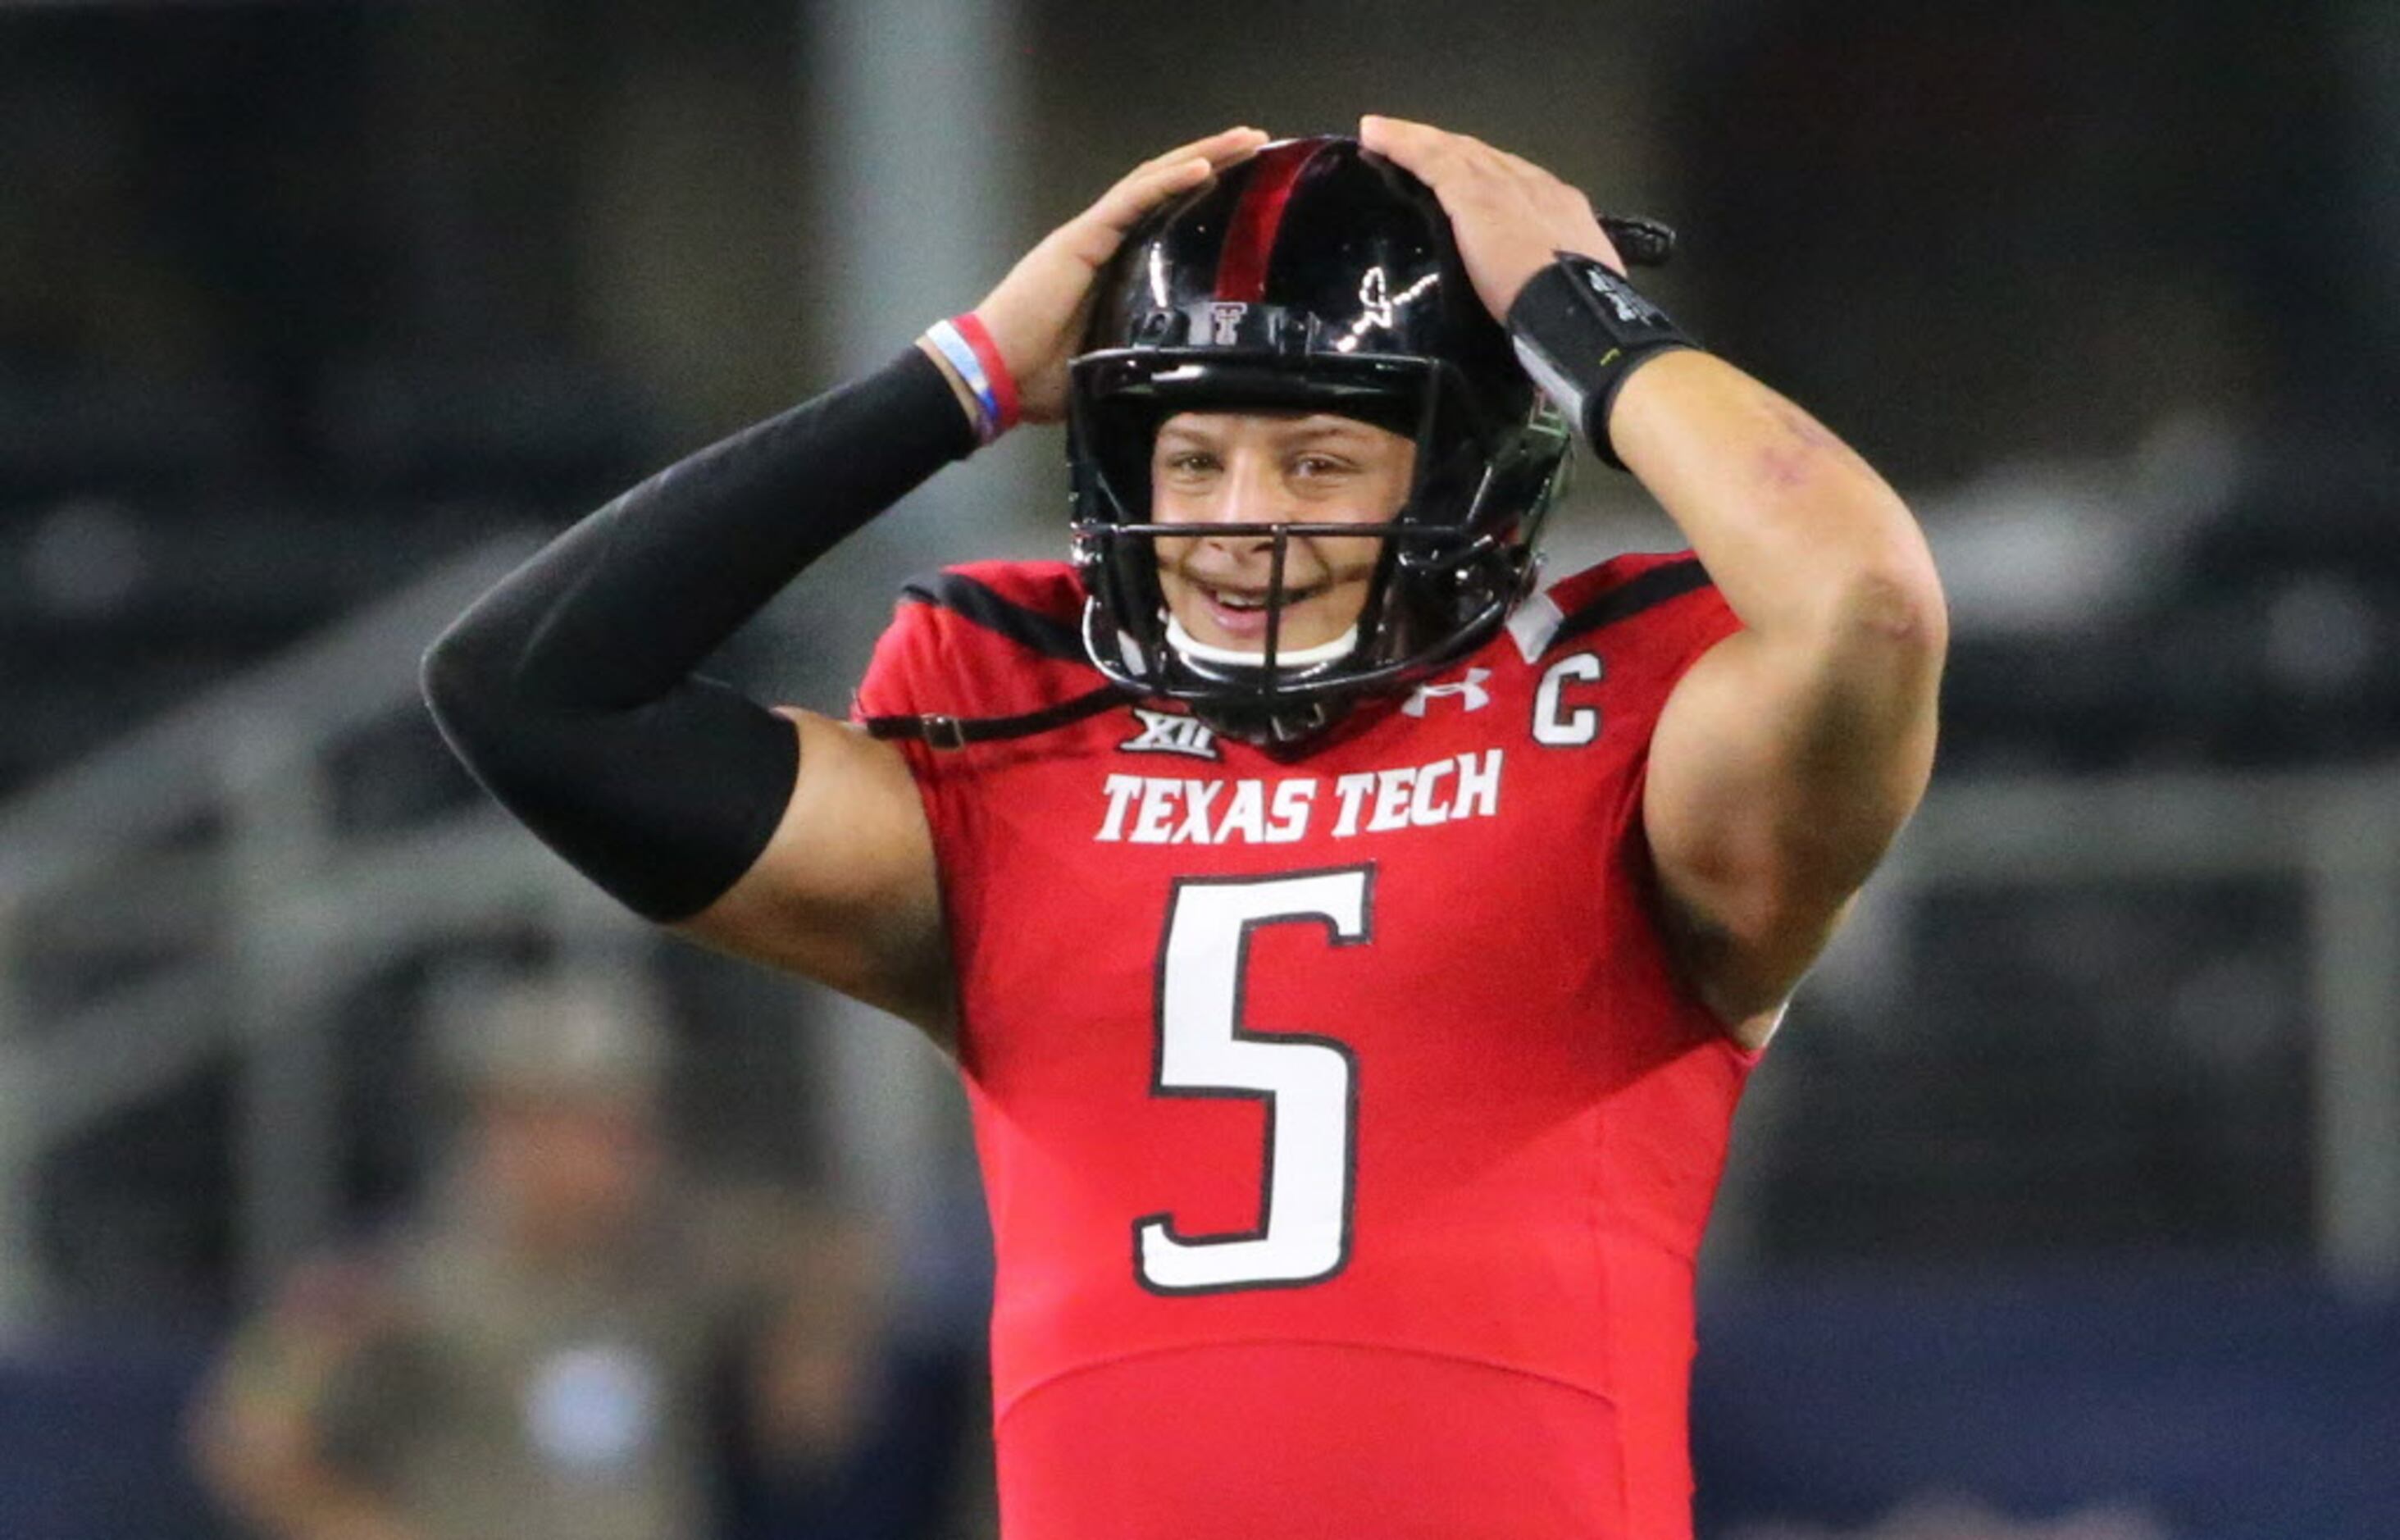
(1511, 218)
(1036, 315)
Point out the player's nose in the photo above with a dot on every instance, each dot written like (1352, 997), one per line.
(1252, 493)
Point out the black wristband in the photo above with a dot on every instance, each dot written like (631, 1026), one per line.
(1581, 330)
(568, 689)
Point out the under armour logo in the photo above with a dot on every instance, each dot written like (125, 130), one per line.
(1168, 732)
(1471, 689)
(1226, 319)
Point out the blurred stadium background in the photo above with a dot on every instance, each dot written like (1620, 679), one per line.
(2069, 1203)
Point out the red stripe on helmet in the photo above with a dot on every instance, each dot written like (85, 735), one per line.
(1257, 214)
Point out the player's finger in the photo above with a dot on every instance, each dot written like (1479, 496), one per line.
(1463, 170)
(1121, 206)
(1220, 149)
(1419, 147)
(1179, 170)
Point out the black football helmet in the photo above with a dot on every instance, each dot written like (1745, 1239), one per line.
(1313, 276)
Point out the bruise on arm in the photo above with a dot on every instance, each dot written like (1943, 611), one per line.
(1790, 753)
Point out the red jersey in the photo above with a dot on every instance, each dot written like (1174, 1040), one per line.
(1347, 1139)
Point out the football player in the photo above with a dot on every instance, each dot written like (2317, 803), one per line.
(1352, 949)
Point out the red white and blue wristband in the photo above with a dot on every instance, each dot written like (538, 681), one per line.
(968, 347)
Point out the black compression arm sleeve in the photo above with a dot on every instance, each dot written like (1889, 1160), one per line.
(568, 689)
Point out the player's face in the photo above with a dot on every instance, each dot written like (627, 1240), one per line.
(1215, 469)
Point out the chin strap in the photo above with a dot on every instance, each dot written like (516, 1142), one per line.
(957, 733)
(1192, 646)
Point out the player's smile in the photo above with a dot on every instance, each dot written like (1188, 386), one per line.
(1258, 468)
(1318, 606)
(1241, 613)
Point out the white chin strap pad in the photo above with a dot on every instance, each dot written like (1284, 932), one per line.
(1190, 647)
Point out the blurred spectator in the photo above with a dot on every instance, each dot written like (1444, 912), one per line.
(566, 1342)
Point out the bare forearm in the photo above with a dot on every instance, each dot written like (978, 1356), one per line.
(1788, 757)
(1804, 540)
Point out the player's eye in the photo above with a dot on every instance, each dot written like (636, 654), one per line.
(1189, 462)
(1318, 466)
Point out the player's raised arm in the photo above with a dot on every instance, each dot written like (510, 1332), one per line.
(568, 689)
(1791, 754)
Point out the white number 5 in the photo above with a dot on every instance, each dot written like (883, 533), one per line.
(1309, 1083)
